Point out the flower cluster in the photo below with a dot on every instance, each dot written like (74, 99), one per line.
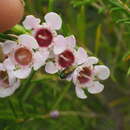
(44, 47)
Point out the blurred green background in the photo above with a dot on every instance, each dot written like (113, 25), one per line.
(103, 28)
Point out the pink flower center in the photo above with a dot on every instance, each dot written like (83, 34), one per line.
(66, 59)
(23, 56)
(84, 75)
(44, 37)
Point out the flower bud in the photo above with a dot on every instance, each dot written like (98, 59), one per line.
(54, 114)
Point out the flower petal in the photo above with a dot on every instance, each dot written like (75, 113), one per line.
(69, 77)
(54, 20)
(51, 68)
(4, 92)
(11, 77)
(22, 73)
(96, 88)
(59, 44)
(71, 41)
(2, 67)
(31, 22)
(75, 74)
(8, 64)
(92, 60)
(39, 59)
(80, 92)
(8, 46)
(102, 72)
(28, 41)
(81, 56)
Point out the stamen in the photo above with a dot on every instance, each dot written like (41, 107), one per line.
(66, 59)
(42, 37)
(85, 76)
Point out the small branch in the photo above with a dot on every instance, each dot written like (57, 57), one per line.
(119, 101)
(5, 37)
(13, 36)
(62, 113)
(125, 6)
(51, 4)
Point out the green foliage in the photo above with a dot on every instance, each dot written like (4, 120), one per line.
(101, 27)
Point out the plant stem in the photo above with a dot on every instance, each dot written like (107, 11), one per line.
(61, 96)
(12, 108)
(51, 5)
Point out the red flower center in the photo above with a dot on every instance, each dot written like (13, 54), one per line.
(44, 37)
(23, 56)
(84, 75)
(66, 59)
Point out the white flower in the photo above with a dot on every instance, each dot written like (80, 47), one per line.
(24, 56)
(44, 33)
(63, 54)
(8, 83)
(87, 76)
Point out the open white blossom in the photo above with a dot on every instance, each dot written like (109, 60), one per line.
(8, 82)
(63, 54)
(44, 33)
(24, 56)
(87, 75)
